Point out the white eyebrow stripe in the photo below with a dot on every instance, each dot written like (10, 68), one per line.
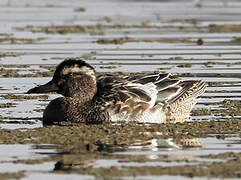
(76, 69)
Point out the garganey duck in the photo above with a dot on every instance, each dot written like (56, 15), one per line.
(155, 98)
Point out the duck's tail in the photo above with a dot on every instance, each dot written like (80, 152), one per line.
(180, 106)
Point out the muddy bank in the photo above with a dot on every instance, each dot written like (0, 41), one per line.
(76, 138)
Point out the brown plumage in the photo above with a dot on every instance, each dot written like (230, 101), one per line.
(156, 98)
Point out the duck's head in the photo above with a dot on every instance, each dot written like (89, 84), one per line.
(70, 77)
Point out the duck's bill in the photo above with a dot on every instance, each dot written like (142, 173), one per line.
(51, 86)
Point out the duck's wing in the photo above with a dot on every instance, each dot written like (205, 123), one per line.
(148, 90)
(166, 85)
(189, 90)
(154, 78)
(123, 89)
(171, 88)
(175, 97)
(145, 93)
(158, 86)
(153, 98)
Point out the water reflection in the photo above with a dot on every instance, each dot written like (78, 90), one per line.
(168, 144)
(11, 152)
(186, 147)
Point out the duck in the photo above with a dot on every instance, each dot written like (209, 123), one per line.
(91, 99)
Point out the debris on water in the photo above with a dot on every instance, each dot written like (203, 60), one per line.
(236, 40)
(7, 105)
(24, 97)
(17, 175)
(200, 41)
(133, 40)
(13, 40)
(177, 58)
(80, 9)
(184, 65)
(10, 54)
(225, 28)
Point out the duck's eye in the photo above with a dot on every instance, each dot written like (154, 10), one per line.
(69, 74)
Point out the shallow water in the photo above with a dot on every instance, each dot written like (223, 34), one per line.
(164, 40)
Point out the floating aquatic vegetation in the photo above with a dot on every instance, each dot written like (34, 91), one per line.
(10, 54)
(17, 175)
(7, 105)
(24, 97)
(225, 28)
(133, 40)
(13, 40)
